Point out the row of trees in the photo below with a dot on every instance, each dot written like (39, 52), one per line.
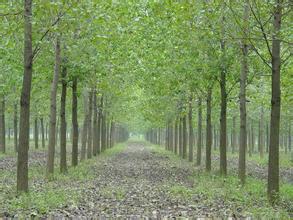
(239, 45)
(144, 64)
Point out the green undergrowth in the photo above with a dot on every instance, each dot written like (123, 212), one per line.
(286, 159)
(45, 195)
(251, 199)
(161, 150)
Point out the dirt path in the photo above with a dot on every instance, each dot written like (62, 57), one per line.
(133, 184)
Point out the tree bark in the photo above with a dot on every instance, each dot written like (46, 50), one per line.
(22, 156)
(36, 134)
(74, 124)
(176, 137)
(95, 124)
(273, 171)
(190, 157)
(223, 117)
(63, 126)
(242, 100)
(199, 133)
(52, 126)
(99, 123)
(209, 137)
(84, 136)
(181, 136)
(234, 135)
(184, 127)
(2, 125)
(90, 128)
(112, 134)
(104, 131)
(43, 132)
(15, 128)
(261, 133)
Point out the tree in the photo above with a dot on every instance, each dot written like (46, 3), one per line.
(22, 157)
(52, 125)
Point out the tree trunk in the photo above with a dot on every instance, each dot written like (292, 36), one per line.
(267, 137)
(112, 134)
(15, 128)
(209, 137)
(289, 138)
(90, 129)
(190, 130)
(22, 156)
(261, 133)
(99, 129)
(184, 146)
(85, 127)
(63, 126)
(95, 124)
(242, 100)
(176, 137)
(199, 133)
(249, 140)
(2, 125)
(252, 138)
(181, 137)
(43, 132)
(234, 135)
(36, 134)
(223, 118)
(52, 126)
(104, 131)
(74, 124)
(273, 171)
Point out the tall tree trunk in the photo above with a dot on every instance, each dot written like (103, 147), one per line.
(90, 129)
(184, 127)
(95, 124)
(52, 126)
(181, 137)
(104, 131)
(84, 136)
(190, 130)
(43, 132)
(273, 171)
(249, 140)
(261, 133)
(22, 156)
(74, 161)
(199, 132)
(15, 128)
(252, 138)
(176, 139)
(99, 130)
(36, 133)
(234, 135)
(209, 137)
(289, 137)
(171, 138)
(112, 134)
(63, 126)
(2, 125)
(223, 118)
(267, 137)
(242, 98)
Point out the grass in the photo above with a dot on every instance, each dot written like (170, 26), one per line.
(286, 159)
(45, 195)
(251, 198)
(113, 193)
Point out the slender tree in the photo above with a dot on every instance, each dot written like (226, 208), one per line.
(52, 125)
(22, 156)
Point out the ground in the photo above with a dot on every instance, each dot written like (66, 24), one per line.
(136, 180)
